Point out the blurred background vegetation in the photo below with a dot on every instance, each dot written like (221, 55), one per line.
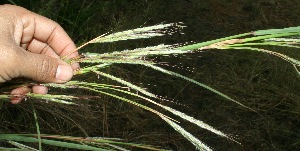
(260, 81)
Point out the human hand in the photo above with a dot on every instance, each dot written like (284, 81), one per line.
(31, 46)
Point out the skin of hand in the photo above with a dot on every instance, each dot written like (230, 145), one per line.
(31, 47)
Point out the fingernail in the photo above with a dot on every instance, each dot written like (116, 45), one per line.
(63, 73)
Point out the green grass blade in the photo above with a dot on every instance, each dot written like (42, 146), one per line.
(279, 44)
(263, 37)
(277, 31)
(13, 149)
(37, 126)
(102, 141)
(70, 145)
(203, 44)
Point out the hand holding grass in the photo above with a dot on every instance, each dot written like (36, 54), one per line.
(31, 46)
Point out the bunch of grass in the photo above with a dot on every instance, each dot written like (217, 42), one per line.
(97, 62)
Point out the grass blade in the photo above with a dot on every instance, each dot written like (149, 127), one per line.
(195, 141)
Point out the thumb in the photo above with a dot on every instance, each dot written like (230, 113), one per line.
(43, 68)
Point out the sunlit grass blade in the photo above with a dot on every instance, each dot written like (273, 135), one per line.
(126, 83)
(292, 40)
(126, 100)
(115, 60)
(63, 99)
(195, 141)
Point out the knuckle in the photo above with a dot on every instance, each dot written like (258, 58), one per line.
(45, 70)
